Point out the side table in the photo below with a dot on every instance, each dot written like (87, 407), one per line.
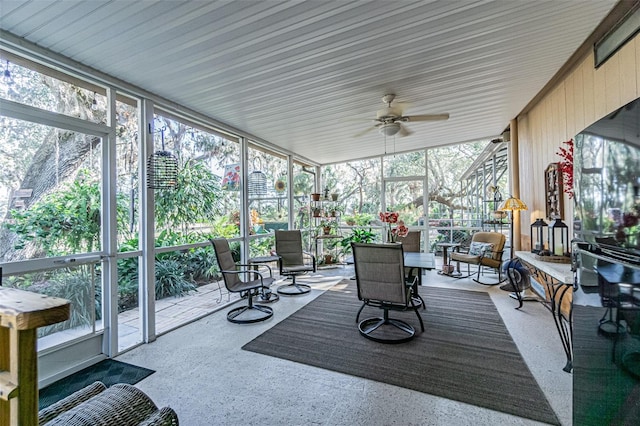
(266, 296)
(445, 260)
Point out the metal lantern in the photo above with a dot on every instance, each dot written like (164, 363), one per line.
(162, 170)
(538, 235)
(558, 237)
(257, 184)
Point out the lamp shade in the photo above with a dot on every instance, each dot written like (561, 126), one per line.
(513, 203)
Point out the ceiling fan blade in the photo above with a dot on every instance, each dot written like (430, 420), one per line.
(404, 131)
(426, 117)
(364, 132)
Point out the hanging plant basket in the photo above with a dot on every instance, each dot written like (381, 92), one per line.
(162, 170)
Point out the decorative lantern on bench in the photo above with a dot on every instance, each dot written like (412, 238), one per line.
(538, 231)
(558, 237)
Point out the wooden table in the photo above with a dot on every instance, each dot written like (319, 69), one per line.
(21, 313)
(558, 281)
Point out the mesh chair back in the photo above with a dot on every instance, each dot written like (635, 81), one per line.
(289, 247)
(225, 261)
(410, 243)
(380, 272)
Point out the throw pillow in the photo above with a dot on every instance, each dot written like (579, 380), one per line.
(480, 249)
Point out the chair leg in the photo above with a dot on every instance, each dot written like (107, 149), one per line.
(294, 289)
(417, 311)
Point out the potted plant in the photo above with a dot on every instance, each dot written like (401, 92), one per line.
(350, 220)
(335, 210)
(326, 226)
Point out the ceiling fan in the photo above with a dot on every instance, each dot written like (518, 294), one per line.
(389, 120)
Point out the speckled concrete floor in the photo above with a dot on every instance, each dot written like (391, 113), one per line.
(202, 373)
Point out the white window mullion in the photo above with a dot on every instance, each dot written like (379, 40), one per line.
(109, 234)
(147, 275)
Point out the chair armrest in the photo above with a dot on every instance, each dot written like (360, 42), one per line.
(245, 271)
(256, 267)
(313, 258)
(461, 249)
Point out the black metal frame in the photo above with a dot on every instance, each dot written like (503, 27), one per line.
(369, 325)
(247, 289)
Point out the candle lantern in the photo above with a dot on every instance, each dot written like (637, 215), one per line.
(538, 235)
(558, 237)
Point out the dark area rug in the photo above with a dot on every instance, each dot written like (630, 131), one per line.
(604, 392)
(465, 354)
(107, 371)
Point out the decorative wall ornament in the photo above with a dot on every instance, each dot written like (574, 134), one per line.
(553, 191)
(566, 166)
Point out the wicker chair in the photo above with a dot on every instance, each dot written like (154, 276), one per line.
(485, 250)
(97, 405)
(381, 283)
(293, 261)
(250, 288)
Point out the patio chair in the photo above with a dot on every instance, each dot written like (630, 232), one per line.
(411, 243)
(254, 284)
(293, 261)
(382, 284)
(485, 250)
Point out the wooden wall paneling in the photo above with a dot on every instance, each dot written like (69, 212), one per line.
(570, 105)
(588, 91)
(627, 67)
(578, 100)
(600, 92)
(612, 83)
(557, 98)
(562, 113)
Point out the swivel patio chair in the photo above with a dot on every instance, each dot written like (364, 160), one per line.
(293, 261)
(485, 250)
(411, 244)
(382, 284)
(254, 284)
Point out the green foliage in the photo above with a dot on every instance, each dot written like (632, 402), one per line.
(358, 235)
(222, 227)
(171, 279)
(65, 221)
(194, 200)
(200, 264)
(75, 286)
(363, 219)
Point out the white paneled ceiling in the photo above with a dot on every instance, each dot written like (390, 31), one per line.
(309, 75)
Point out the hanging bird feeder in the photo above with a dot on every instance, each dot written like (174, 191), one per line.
(162, 169)
(257, 184)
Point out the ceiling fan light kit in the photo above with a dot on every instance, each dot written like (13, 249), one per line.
(389, 129)
(389, 120)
